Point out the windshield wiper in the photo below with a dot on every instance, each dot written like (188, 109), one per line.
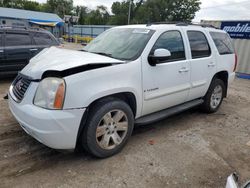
(82, 50)
(103, 53)
(99, 53)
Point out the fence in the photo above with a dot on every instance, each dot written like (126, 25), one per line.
(86, 30)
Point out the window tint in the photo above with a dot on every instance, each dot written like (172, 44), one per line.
(17, 39)
(199, 45)
(1, 39)
(43, 39)
(223, 43)
(172, 41)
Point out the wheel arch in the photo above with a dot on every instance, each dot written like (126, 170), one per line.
(222, 75)
(127, 97)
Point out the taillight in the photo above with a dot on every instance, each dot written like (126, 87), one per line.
(235, 62)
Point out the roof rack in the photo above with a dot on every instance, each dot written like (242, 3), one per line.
(22, 27)
(197, 24)
(159, 23)
(183, 24)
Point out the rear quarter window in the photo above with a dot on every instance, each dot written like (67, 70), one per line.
(44, 39)
(223, 43)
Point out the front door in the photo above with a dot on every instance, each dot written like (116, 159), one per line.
(17, 50)
(166, 84)
(1, 48)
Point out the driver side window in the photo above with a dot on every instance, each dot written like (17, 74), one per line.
(172, 41)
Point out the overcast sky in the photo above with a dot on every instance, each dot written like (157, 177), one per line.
(210, 9)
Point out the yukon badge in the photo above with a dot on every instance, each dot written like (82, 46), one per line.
(150, 90)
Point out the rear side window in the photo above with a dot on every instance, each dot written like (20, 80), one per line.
(199, 44)
(43, 39)
(222, 42)
(17, 39)
(172, 41)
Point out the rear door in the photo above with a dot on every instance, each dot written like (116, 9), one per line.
(41, 41)
(202, 61)
(17, 50)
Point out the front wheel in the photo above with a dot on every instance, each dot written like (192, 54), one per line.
(214, 96)
(108, 128)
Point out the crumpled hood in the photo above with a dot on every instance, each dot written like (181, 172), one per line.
(56, 59)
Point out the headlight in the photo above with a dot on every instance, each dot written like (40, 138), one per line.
(50, 93)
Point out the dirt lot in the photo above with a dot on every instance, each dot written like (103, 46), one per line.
(191, 149)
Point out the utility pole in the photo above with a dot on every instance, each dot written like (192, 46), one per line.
(129, 11)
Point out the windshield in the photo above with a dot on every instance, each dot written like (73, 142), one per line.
(120, 43)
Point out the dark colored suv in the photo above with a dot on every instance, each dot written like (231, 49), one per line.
(18, 45)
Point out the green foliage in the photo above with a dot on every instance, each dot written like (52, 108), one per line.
(156, 11)
(142, 11)
(167, 10)
(100, 16)
(82, 12)
(21, 4)
(60, 7)
(120, 11)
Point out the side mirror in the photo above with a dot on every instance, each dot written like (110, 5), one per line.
(160, 55)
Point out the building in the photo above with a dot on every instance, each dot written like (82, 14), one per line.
(26, 18)
(240, 33)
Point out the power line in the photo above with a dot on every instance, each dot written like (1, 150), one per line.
(225, 5)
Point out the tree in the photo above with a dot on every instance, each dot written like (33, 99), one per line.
(120, 11)
(144, 11)
(99, 16)
(168, 10)
(60, 7)
(21, 4)
(31, 5)
(82, 12)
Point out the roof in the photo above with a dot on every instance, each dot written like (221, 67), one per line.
(29, 15)
(171, 26)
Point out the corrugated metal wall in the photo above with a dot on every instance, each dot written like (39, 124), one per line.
(242, 47)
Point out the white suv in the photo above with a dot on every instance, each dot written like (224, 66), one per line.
(128, 75)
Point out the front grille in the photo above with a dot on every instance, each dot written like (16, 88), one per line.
(20, 86)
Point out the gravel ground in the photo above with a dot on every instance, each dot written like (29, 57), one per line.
(191, 149)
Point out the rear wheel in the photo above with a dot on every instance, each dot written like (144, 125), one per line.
(108, 128)
(214, 96)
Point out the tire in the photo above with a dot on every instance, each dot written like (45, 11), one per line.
(109, 125)
(212, 102)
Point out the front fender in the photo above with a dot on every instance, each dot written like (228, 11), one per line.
(84, 88)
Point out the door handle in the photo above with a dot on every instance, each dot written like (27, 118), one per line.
(1, 51)
(33, 49)
(211, 64)
(184, 69)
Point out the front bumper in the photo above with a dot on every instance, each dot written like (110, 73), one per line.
(56, 129)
